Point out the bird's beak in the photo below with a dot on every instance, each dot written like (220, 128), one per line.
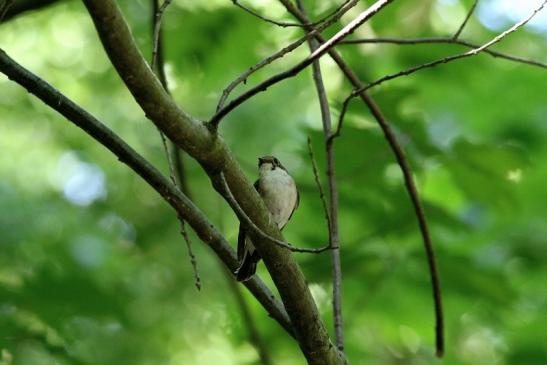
(260, 161)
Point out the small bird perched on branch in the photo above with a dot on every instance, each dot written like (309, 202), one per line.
(279, 192)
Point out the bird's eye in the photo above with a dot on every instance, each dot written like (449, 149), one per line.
(276, 161)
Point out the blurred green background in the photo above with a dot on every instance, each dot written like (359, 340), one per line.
(92, 266)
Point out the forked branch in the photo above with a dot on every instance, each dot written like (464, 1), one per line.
(321, 50)
(405, 168)
(182, 205)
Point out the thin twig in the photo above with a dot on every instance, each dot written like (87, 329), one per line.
(4, 9)
(467, 17)
(320, 51)
(193, 261)
(127, 155)
(168, 157)
(282, 52)
(341, 118)
(470, 53)
(180, 169)
(409, 182)
(407, 175)
(158, 66)
(288, 24)
(214, 155)
(267, 20)
(248, 222)
(159, 70)
(318, 182)
(443, 40)
(334, 238)
(157, 26)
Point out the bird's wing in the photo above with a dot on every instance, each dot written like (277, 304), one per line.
(241, 235)
(296, 204)
(240, 243)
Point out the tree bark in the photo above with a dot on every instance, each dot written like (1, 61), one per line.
(214, 155)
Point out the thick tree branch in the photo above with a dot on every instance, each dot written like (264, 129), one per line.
(443, 40)
(210, 150)
(320, 51)
(250, 225)
(199, 223)
(407, 175)
(157, 65)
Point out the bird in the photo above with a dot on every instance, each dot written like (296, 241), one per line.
(280, 194)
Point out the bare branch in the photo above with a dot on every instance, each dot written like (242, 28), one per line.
(318, 183)
(248, 222)
(157, 26)
(214, 156)
(467, 17)
(182, 205)
(470, 53)
(341, 118)
(334, 239)
(180, 169)
(157, 65)
(12, 8)
(443, 40)
(193, 261)
(6, 4)
(287, 24)
(427, 242)
(321, 50)
(267, 20)
(407, 174)
(243, 77)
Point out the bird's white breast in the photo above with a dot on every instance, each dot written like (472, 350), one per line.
(278, 191)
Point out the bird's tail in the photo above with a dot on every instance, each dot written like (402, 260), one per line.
(246, 269)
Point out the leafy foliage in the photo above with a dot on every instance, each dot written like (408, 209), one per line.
(92, 266)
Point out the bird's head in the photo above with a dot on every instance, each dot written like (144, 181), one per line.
(267, 163)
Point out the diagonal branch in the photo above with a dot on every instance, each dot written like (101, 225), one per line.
(285, 50)
(467, 17)
(407, 175)
(249, 223)
(156, 33)
(4, 8)
(470, 53)
(157, 65)
(318, 182)
(214, 156)
(182, 205)
(287, 24)
(12, 8)
(443, 40)
(334, 238)
(320, 51)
